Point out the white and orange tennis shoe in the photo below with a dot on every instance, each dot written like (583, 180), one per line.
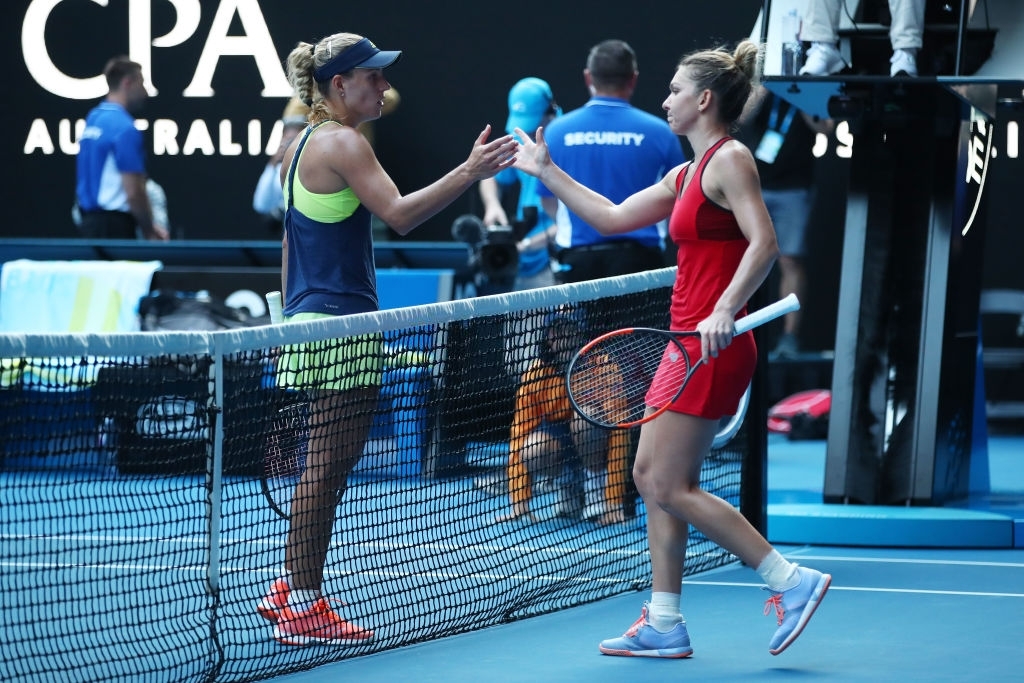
(319, 624)
(274, 601)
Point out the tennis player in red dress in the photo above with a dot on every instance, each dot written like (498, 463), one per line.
(727, 247)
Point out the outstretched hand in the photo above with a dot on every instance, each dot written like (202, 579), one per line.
(533, 156)
(487, 159)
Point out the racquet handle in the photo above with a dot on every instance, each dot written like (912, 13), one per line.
(274, 306)
(767, 314)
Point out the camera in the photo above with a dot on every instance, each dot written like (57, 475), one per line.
(494, 258)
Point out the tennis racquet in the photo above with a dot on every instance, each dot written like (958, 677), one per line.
(284, 449)
(730, 424)
(284, 456)
(610, 380)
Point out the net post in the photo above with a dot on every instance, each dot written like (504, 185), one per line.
(753, 478)
(214, 471)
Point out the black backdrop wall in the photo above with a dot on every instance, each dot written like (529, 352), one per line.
(217, 66)
(461, 57)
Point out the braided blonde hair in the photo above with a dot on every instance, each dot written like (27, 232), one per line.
(301, 62)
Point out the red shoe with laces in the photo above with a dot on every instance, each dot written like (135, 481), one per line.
(320, 624)
(274, 601)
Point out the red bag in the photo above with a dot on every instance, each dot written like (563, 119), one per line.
(804, 415)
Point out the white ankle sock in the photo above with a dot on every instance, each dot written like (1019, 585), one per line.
(663, 611)
(779, 573)
(300, 600)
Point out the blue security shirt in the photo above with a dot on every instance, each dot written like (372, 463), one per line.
(110, 145)
(534, 261)
(616, 150)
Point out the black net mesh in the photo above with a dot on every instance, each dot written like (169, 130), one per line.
(136, 529)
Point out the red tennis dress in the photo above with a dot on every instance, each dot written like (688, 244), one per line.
(710, 248)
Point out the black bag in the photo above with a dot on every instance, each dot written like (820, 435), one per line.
(164, 310)
(161, 424)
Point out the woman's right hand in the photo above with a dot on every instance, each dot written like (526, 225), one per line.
(487, 159)
(533, 156)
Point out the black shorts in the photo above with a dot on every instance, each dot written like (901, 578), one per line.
(108, 225)
(607, 259)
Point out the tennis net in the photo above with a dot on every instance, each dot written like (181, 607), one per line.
(137, 538)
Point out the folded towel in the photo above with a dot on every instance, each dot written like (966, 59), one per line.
(73, 296)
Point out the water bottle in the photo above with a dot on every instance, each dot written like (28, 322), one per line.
(792, 50)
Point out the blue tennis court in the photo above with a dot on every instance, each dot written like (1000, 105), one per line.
(136, 536)
(892, 613)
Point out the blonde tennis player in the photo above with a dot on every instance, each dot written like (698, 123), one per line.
(332, 184)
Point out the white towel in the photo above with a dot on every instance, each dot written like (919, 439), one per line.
(73, 296)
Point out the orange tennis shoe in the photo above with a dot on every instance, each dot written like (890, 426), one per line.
(274, 601)
(320, 624)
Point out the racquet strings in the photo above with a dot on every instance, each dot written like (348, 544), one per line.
(610, 381)
(285, 457)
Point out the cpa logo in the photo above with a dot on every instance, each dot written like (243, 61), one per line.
(255, 42)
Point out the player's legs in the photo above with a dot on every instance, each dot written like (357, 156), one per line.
(667, 474)
(339, 425)
(661, 630)
(339, 422)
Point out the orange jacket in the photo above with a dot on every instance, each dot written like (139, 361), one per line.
(542, 395)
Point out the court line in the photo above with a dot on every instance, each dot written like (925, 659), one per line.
(909, 560)
(865, 589)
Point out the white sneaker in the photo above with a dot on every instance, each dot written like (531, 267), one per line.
(903, 63)
(594, 512)
(822, 60)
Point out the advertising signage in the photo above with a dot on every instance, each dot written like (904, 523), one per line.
(215, 70)
(217, 86)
